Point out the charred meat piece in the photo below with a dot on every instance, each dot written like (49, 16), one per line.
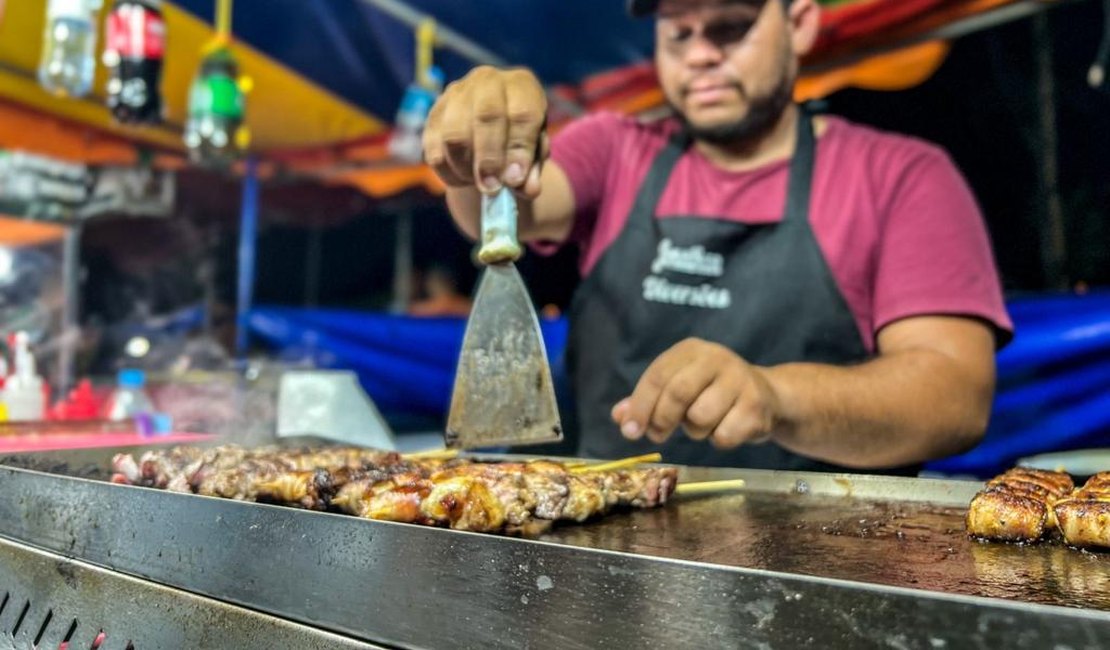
(642, 488)
(586, 497)
(1084, 518)
(1085, 521)
(547, 483)
(1100, 481)
(1017, 506)
(230, 471)
(241, 481)
(397, 498)
(125, 470)
(341, 457)
(1057, 484)
(505, 482)
(465, 503)
(314, 489)
(310, 489)
(160, 469)
(1008, 516)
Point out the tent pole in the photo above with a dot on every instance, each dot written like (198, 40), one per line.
(71, 290)
(446, 37)
(248, 236)
(1053, 237)
(449, 39)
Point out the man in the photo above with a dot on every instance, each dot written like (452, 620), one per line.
(853, 328)
(441, 295)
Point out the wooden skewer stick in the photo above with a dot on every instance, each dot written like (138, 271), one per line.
(705, 487)
(432, 454)
(619, 464)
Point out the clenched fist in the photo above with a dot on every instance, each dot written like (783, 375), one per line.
(706, 389)
(487, 130)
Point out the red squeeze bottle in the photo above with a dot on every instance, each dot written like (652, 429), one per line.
(80, 404)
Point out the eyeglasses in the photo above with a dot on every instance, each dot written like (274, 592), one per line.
(723, 30)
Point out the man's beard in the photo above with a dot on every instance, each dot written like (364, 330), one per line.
(763, 114)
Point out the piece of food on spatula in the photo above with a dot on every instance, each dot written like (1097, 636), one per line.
(1017, 506)
(1084, 517)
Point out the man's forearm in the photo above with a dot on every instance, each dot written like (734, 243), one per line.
(895, 410)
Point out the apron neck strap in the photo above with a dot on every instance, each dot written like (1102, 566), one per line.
(798, 191)
(651, 189)
(801, 170)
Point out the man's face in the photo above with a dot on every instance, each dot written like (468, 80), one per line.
(726, 66)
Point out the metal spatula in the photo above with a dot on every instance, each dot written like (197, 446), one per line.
(503, 392)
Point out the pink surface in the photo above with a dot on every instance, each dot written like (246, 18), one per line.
(58, 441)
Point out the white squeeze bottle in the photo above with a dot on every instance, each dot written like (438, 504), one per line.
(23, 394)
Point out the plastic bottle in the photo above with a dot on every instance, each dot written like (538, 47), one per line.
(129, 400)
(3, 380)
(23, 391)
(214, 131)
(69, 47)
(80, 404)
(135, 36)
(406, 141)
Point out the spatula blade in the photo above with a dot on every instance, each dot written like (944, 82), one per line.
(503, 392)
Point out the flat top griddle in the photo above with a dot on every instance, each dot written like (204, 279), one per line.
(883, 530)
(895, 543)
(795, 556)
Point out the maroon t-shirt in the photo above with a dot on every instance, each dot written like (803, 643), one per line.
(896, 222)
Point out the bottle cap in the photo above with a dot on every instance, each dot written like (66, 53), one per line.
(131, 378)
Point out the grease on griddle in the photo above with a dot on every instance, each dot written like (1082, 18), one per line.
(889, 521)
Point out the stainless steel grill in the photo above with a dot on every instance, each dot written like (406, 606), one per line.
(797, 559)
(46, 599)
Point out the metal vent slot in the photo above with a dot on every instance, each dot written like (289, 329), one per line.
(5, 602)
(45, 624)
(22, 615)
(70, 631)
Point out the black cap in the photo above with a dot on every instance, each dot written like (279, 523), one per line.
(641, 8)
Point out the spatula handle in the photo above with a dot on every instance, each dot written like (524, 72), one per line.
(499, 242)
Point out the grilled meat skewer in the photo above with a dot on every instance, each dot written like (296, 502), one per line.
(515, 498)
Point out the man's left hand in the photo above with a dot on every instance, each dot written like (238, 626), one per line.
(705, 388)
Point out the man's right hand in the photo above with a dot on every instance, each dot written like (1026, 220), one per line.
(487, 130)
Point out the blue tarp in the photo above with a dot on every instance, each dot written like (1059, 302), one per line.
(1053, 388)
(407, 365)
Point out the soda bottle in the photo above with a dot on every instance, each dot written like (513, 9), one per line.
(214, 130)
(136, 43)
(68, 47)
(405, 143)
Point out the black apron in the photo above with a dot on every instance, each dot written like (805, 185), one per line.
(765, 291)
